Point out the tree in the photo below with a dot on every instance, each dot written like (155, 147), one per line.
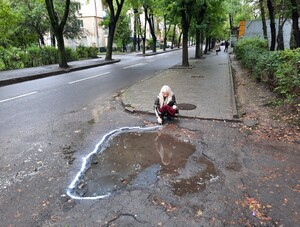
(263, 18)
(272, 24)
(199, 40)
(114, 15)
(149, 16)
(58, 29)
(186, 12)
(8, 21)
(295, 18)
(122, 34)
(34, 22)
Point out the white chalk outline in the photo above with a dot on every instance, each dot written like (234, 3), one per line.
(85, 164)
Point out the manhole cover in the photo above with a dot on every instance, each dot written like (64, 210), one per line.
(186, 106)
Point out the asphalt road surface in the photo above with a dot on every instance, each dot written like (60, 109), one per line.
(47, 126)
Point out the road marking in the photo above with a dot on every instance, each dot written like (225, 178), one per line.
(19, 96)
(131, 66)
(87, 78)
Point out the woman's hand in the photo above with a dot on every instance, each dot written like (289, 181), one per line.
(159, 120)
(174, 107)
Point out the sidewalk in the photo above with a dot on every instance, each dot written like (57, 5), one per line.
(204, 90)
(21, 75)
(207, 85)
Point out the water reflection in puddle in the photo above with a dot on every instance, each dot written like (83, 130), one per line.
(135, 159)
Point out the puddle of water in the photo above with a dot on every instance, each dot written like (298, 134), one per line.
(199, 182)
(132, 154)
(134, 157)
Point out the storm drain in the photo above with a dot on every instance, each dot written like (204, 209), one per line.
(186, 106)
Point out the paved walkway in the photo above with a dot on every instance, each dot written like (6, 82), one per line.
(207, 84)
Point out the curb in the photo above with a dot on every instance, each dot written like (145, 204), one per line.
(233, 100)
(53, 73)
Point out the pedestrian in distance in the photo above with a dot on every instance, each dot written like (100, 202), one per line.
(218, 47)
(226, 46)
(165, 104)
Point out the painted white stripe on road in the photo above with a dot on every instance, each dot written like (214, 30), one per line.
(127, 67)
(87, 78)
(17, 97)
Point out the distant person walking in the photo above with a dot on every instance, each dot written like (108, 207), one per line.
(165, 104)
(218, 47)
(226, 46)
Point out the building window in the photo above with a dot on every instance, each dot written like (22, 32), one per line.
(80, 23)
(77, 6)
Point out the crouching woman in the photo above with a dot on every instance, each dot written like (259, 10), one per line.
(165, 104)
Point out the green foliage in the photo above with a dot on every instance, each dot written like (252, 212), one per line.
(122, 34)
(279, 70)
(247, 50)
(86, 52)
(71, 54)
(15, 58)
(10, 59)
(8, 20)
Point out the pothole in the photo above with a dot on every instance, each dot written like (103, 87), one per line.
(137, 158)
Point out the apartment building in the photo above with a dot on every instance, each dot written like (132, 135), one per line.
(91, 13)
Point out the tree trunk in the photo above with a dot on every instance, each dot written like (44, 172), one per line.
(201, 44)
(185, 37)
(263, 19)
(199, 20)
(58, 28)
(173, 36)
(165, 29)
(295, 18)
(197, 51)
(110, 40)
(281, 22)
(114, 16)
(62, 57)
(150, 20)
(179, 40)
(272, 24)
(135, 11)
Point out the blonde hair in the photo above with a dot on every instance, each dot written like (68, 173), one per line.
(160, 96)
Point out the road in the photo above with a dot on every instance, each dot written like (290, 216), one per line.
(43, 123)
(48, 126)
(34, 107)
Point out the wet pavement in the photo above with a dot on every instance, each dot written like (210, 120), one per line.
(203, 90)
(139, 159)
(189, 172)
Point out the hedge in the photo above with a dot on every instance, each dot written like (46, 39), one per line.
(16, 58)
(279, 70)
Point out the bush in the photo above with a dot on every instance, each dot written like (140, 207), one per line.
(92, 52)
(248, 49)
(15, 58)
(71, 54)
(288, 75)
(49, 55)
(10, 58)
(82, 52)
(279, 70)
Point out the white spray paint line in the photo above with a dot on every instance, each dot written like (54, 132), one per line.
(131, 66)
(85, 164)
(88, 78)
(19, 96)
